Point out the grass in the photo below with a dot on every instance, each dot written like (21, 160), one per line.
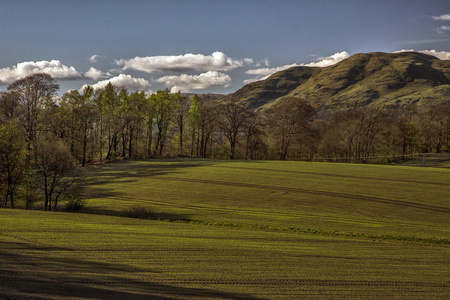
(237, 230)
(372, 200)
(436, 160)
(61, 255)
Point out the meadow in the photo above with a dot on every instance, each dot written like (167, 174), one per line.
(179, 229)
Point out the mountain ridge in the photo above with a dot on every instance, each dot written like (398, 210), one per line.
(366, 79)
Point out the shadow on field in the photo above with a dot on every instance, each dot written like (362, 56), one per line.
(30, 272)
(137, 212)
(129, 171)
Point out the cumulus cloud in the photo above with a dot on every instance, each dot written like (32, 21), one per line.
(96, 74)
(444, 55)
(186, 83)
(55, 68)
(129, 82)
(264, 73)
(445, 17)
(217, 61)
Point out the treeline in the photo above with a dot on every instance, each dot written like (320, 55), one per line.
(43, 138)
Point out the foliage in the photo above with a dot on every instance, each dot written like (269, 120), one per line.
(12, 160)
(139, 212)
(32, 93)
(73, 196)
(75, 204)
(53, 163)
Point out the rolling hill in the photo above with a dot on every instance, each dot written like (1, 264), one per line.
(376, 79)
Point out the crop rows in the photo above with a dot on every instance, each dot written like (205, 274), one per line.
(315, 192)
(264, 282)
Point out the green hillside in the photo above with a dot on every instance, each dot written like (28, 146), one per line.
(377, 79)
(256, 94)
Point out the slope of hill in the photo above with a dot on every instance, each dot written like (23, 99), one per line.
(377, 79)
(258, 93)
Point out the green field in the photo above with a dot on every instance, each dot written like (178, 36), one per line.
(237, 230)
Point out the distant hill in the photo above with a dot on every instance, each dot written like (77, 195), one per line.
(375, 79)
(259, 93)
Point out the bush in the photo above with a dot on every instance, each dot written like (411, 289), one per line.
(75, 201)
(75, 204)
(139, 213)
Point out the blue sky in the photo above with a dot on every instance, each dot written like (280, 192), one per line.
(205, 46)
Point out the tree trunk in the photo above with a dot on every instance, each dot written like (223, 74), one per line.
(130, 143)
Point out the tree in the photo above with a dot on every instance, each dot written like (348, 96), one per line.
(434, 126)
(354, 134)
(164, 106)
(209, 122)
(134, 116)
(12, 159)
(289, 118)
(32, 92)
(253, 129)
(79, 112)
(53, 163)
(195, 122)
(181, 116)
(9, 106)
(111, 109)
(233, 118)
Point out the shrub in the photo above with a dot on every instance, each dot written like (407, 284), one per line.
(139, 212)
(75, 201)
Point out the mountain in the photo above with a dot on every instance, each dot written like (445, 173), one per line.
(259, 93)
(375, 79)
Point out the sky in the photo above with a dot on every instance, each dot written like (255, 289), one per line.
(205, 46)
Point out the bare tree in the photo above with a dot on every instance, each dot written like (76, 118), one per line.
(289, 118)
(209, 122)
(233, 119)
(253, 130)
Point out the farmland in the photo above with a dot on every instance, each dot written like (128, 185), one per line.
(237, 230)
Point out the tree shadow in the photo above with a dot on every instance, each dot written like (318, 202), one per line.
(30, 272)
(130, 171)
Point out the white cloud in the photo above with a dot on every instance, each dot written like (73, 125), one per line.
(444, 55)
(186, 83)
(217, 61)
(442, 29)
(248, 81)
(96, 74)
(329, 60)
(269, 71)
(94, 58)
(264, 73)
(55, 68)
(248, 61)
(445, 17)
(129, 82)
